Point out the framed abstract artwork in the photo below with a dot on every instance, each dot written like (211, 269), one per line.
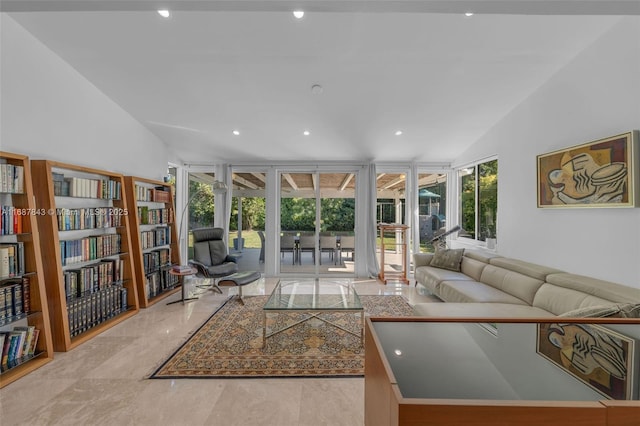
(602, 173)
(595, 355)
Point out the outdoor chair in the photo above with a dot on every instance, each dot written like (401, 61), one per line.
(211, 257)
(307, 245)
(288, 245)
(347, 244)
(261, 235)
(328, 245)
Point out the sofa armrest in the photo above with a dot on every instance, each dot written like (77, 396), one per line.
(422, 259)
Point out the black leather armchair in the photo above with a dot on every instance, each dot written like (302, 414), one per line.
(211, 256)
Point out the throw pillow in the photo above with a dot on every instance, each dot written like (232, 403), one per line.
(448, 259)
(600, 311)
(629, 310)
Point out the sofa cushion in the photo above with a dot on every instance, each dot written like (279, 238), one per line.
(559, 300)
(479, 310)
(525, 268)
(521, 286)
(601, 289)
(448, 259)
(473, 291)
(431, 277)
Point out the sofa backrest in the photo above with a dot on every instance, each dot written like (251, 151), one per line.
(564, 292)
(516, 277)
(516, 284)
(525, 268)
(482, 256)
(472, 267)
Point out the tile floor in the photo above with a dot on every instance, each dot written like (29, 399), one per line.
(104, 381)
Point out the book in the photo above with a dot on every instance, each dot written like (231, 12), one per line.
(4, 350)
(34, 342)
(22, 332)
(4, 262)
(14, 342)
(26, 295)
(15, 257)
(182, 268)
(29, 332)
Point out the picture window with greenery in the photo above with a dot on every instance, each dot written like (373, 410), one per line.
(479, 200)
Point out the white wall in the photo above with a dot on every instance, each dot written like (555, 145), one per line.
(50, 111)
(596, 95)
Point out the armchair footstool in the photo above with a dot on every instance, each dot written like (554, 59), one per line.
(240, 279)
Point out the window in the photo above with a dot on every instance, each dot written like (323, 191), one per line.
(479, 200)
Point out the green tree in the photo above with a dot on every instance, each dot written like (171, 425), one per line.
(253, 213)
(201, 209)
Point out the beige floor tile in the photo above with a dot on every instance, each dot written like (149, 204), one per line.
(103, 381)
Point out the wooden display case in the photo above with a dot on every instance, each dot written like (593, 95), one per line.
(437, 371)
(154, 238)
(86, 247)
(21, 200)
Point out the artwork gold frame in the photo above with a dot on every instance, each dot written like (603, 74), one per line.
(595, 355)
(602, 173)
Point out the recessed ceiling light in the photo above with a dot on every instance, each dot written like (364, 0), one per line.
(316, 89)
(236, 132)
(306, 133)
(468, 14)
(398, 132)
(164, 13)
(298, 14)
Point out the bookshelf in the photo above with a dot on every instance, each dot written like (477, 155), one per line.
(18, 204)
(86, 246)
(154, 238)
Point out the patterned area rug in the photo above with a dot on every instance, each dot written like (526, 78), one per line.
(229, 343)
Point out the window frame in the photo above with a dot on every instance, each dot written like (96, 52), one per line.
(476, 241)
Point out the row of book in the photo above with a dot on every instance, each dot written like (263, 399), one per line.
(17, 345)
(158, 194)
(11, 259)
(11, 220)
(15, 299)
(89, 248)
(92, 278)
(153, 260)
(160, 281)
(95, 308)
(11, 178)
(87, 188)
(156, 237)
(148, 216)
(88, 218)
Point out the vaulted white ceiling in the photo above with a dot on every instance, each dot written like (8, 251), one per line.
(425, 68)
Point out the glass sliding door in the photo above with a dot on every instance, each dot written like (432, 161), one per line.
(317, 223)
(432, 208)
(391, 188)
(247, 221)
(199, 211)
(297, 223)
(337, 223)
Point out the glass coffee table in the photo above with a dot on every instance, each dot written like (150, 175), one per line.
(312, 298)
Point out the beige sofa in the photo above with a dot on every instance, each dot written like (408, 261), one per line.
(489, 285)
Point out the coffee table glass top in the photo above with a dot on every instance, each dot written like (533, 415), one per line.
(314, 294)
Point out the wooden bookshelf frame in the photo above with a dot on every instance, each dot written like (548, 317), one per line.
(136, 241)
(34, 270)
(52, 259)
